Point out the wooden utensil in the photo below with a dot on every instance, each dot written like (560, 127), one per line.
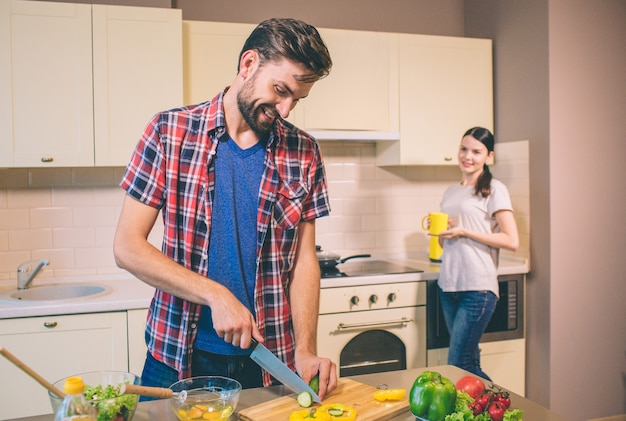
(6, 354)
(154, 392)
(348, 392)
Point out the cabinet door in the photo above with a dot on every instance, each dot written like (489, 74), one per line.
(361, 91)
(136, 340)
(503, 361)
(56, 347)
(445, 89)
(46, 113)
(211, 54)
(137, 55)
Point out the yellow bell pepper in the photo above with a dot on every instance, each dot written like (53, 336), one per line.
(309, 414)
(339, 411)
(389, 394)
(326, 412)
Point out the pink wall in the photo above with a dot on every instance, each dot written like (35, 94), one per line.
(587, 205)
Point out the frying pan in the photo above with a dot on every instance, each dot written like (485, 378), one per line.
(329, 260)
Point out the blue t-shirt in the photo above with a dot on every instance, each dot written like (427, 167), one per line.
(232, 247)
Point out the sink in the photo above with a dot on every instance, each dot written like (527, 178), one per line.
(52, 292)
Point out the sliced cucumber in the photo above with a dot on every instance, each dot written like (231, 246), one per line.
(305, 399)
(335, 412)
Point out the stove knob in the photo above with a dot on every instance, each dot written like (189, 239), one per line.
(354, 300)
(391, 297)
(373, 298)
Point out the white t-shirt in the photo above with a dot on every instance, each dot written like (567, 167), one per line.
(467, 265)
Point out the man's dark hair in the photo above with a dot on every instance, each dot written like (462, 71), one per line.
(292, 39)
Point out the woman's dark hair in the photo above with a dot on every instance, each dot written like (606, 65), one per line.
(293, 39)
(484, 136)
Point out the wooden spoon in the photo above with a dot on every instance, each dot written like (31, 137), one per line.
(31, 372)
(155, 392)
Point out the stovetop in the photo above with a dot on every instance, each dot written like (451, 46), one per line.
(367, 268)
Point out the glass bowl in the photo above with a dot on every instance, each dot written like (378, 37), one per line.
(120, 408)
(205, 398)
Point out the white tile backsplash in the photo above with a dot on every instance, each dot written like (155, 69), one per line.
(375, 210)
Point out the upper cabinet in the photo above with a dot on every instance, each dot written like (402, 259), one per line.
(56, 107)
(210, 56)
(46, 97)
(359, 95)
(361, 91)
(138, 71)
(445, 88)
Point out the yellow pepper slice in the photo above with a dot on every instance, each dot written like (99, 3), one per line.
(339, 411)
(307, 414)
(389, 394)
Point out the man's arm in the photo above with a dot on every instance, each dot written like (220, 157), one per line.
(133, 252)
(304, 302)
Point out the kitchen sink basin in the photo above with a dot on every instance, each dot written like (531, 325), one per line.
(53, 292)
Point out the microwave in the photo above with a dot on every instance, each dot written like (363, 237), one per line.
(507, 321)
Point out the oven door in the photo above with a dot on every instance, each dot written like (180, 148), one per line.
(364, 342)
(507, 321)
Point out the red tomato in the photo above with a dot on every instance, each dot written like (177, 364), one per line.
(496, 411)
(475, 408)
(471, 385)
(503, 399)
(485, 398)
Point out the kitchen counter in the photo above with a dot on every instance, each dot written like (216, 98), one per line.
(125, 292)
(161, 411)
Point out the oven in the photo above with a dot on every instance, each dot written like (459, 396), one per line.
(373, 317)
(507, 321)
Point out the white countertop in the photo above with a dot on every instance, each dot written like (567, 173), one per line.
(125, 292)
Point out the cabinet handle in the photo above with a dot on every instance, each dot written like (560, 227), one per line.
(447, 158)
(46, 160)
(50, 325)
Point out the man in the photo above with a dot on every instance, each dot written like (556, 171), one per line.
(239, 189)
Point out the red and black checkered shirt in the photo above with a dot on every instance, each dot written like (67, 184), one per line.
(172, 170)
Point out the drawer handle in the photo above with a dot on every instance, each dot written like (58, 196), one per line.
(47, 159)
(402, 321)
(50, 325)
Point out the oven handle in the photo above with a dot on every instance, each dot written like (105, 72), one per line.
(345, 326)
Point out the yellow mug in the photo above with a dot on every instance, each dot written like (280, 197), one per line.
(438, 223)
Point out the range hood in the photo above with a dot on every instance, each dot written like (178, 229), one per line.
(354, 135)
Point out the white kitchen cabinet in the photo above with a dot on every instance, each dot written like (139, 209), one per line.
(361, 91)
(136, 340)
(79, 82)
(503, 361)
(360, 94)
(137, 72)
(445, 88)
(46, 98)
(210, 56)
(56, 347)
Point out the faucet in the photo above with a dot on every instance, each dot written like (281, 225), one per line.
(25, 276)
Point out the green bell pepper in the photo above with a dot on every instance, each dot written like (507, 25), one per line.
(432, 396)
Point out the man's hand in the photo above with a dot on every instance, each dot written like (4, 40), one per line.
(309, 364)
(232, 321)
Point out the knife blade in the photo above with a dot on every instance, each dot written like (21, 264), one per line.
(279, 370)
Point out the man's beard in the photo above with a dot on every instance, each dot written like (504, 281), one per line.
(250, 112)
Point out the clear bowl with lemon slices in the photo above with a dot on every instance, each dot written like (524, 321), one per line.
(205, 398)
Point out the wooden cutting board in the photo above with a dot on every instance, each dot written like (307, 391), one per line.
(348, 392)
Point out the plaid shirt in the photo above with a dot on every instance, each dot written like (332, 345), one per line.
(172, 170)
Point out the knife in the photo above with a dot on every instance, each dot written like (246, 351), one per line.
(273, 365)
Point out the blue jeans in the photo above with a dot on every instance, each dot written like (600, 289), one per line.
(467, 314)
(238, 367)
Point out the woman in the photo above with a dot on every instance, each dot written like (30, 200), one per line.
(481, 223)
